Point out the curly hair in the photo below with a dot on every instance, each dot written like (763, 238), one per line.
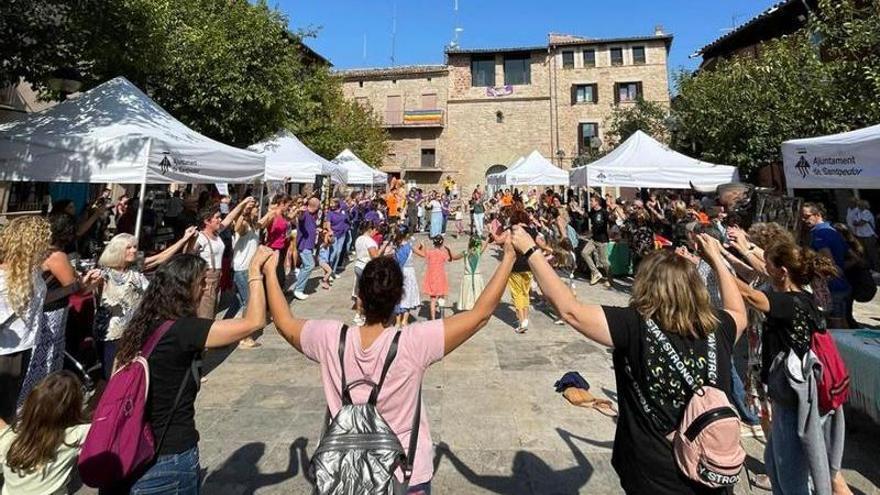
(765, 235)
(23, 247)
(803, 264)
(63, 228)
(170, 296)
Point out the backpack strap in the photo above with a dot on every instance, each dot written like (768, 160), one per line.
(154, 338)
(413, 441)
(346, 396)
(194, 373)
(392, 353)
(678, 364)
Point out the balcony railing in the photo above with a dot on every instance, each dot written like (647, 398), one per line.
(414, 118)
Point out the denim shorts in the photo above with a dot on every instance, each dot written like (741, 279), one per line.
(175, 474)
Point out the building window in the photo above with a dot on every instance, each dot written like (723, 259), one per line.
(429, 101)
(518, 69)
(360, 84)
(429, 157)
(586, 132)
(429, 79)
(638, 55)
(585, 93)
(628, 91)
(616, 56)
(483, 71)
(568, 60)
(590, 57)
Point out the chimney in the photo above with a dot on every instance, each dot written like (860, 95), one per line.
(658, 30)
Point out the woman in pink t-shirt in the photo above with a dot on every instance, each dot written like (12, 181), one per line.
(366, 347)
(277, 226)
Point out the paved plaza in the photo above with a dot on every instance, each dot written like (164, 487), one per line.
(498, 423)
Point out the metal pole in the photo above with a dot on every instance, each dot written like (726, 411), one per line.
(140, 212)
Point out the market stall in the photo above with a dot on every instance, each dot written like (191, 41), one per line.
(114, 133)
(288, 159)
(533, 170)
(642, 161)
(849, 160)
(359, 172)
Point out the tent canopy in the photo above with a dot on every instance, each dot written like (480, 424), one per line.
(849, 160)
(498, 179)
(287, 158)
(358, 171)
(533, 170)
(642, 161)
(116, 133)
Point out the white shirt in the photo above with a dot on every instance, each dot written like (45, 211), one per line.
(19, 333)
(362, 247)
(244, 248)
(50, 479)
(209, 246)
(867, 228)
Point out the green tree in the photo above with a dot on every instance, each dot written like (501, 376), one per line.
(646, 116)
(819, 80)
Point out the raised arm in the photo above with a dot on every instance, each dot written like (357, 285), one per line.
(588, 319)
(86, 224)
(225, 332)
(273, 211)
(289, 327)
(733, 303)
(462, 326)
(236, 212)
(157, 259)
(753, 297)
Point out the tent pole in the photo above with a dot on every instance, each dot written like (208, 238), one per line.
(260, 204)
(140, 212)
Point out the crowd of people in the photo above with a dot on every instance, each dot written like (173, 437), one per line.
(699, 277)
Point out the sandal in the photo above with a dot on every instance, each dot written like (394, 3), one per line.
(248, 344)
(325, 285)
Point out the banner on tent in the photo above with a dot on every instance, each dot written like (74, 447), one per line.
(807, 168)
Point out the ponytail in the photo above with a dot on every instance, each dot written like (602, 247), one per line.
(803, 264)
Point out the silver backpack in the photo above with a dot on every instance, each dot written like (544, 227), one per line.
(358, 452)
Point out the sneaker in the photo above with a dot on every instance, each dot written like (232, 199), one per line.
(296, 272)
(595, 279)
(520, 329)
(559, 321)
(300, 295)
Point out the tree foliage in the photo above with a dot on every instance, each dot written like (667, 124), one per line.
(822, 79)
(646, 116)
(229, 69)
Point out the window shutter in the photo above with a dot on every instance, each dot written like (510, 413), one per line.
(595, 93)
(639, 93)
(574, 97)
(616, 92)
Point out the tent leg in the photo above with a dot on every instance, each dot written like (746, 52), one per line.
(140, 213)
(260, 204)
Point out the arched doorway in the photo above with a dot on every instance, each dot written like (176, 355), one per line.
(494, 169)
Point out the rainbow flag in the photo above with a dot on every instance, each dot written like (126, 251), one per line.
(423, 117)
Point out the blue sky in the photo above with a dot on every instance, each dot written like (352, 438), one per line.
(425, 26)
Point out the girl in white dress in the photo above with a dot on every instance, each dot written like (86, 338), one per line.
(411, 298)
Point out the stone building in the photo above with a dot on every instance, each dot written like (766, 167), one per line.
(485, 108)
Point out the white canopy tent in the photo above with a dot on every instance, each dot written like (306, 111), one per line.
(533, 170)
(287, 158)
(358, 171)
(114, 133)
(849, 160)
(498, 179)
(642, 161)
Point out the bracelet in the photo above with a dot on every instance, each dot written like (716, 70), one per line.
(255, 279)
(529, 252)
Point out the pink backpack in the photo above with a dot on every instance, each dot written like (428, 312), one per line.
(706, 443)
(120, 442)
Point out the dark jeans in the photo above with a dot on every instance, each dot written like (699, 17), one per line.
(738, 390)
(108, 354)
(13, 368)
(176, 473)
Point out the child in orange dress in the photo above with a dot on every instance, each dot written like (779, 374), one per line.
(436, 285)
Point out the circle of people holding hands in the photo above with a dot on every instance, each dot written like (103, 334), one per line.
(700, 283)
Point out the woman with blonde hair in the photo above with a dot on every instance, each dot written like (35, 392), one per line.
(667, 294)
(24, 243)
(124, 285)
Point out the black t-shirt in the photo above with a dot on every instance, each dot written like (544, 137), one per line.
(521, 264)
(791, 321)
(169, 362)
(642, 456)
(599, 225)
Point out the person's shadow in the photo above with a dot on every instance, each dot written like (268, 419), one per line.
(241, 468)
(531, 474)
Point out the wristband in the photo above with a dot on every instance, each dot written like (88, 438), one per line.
(529, 252)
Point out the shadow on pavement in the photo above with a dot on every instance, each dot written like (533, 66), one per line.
(531, 474)
(241, 470)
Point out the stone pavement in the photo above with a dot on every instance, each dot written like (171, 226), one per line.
(491, 405)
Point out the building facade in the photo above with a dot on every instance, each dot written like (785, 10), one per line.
(485, 108)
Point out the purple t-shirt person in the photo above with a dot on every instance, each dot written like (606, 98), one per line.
(338, 222)
(307, 231)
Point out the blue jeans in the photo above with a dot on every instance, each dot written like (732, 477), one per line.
(240, 279)
(738, 391)
(420, 489)
(171, 474)
(478, 223)
(784, 456)
(307, 257)
(336, 252)
(840, 303)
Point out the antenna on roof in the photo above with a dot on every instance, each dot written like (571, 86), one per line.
(457, 29)
(732, 27)
(393, 29)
